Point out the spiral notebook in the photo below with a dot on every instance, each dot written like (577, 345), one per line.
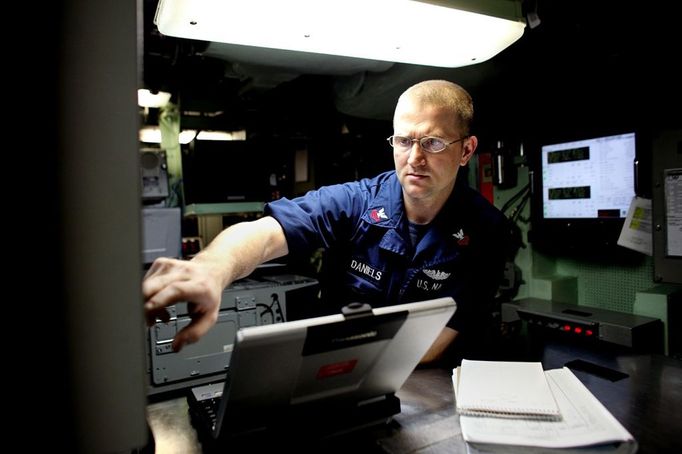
(505, 389)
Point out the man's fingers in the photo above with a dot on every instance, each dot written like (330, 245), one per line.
(172, 293)
(161, 264)
(155, 284)
(192, 332)
(170, 281)
(160, 313)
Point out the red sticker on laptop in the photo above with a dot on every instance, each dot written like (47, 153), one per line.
(332, 370)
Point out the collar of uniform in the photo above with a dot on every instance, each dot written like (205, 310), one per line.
(393, 241)
(457, 219)
(386, 209)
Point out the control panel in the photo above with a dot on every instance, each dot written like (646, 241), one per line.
(587, 324)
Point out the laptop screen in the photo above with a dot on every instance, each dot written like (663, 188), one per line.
(327, 362)
(336, 357)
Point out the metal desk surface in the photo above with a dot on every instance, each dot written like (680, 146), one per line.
(647, 403)
(427, 421)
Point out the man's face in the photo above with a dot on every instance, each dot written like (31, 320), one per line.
(428, 177)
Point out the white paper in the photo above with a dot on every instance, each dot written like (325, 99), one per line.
(586, 422)
(505, 389)
(636, 233)
(673, 212)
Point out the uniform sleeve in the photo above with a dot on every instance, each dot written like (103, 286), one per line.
(321, 218)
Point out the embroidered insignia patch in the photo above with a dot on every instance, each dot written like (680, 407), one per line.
(378, 215)
(437, 275)
(462, 239)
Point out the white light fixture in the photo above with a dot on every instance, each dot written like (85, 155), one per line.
(146, 98)
(221, 135)
(152, 134)
(187, 135)
(427, 32)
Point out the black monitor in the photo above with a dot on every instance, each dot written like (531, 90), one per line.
(226, 171)
(582, 190)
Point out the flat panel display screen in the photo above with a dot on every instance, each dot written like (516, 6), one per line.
(582, 191)
(588, 179)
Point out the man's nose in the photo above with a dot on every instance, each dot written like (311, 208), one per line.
(417, 155)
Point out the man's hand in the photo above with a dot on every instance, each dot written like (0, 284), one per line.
(232, 255)
(170, 281)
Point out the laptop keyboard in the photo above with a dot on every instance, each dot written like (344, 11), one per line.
(210, 410)
(204, 402)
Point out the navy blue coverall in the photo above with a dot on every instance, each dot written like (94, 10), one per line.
(370, 258)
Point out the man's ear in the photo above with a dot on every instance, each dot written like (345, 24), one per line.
(468, 148)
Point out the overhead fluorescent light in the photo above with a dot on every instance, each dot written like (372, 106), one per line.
(146, 98)
(427, 32)
(187, 135)
(152, 134)
(221, 135)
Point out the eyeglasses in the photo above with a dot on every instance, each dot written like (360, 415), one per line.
(428, 143)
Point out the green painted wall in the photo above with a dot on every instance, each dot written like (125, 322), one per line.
(611, 286)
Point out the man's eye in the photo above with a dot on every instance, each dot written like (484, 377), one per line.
(431, 143)
(403, 141)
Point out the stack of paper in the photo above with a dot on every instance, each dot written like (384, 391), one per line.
(505, 389)
(584, 424)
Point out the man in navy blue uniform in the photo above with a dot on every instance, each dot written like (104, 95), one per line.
(406, 235)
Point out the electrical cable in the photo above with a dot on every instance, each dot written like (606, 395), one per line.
(274, 309)
(524, 190)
